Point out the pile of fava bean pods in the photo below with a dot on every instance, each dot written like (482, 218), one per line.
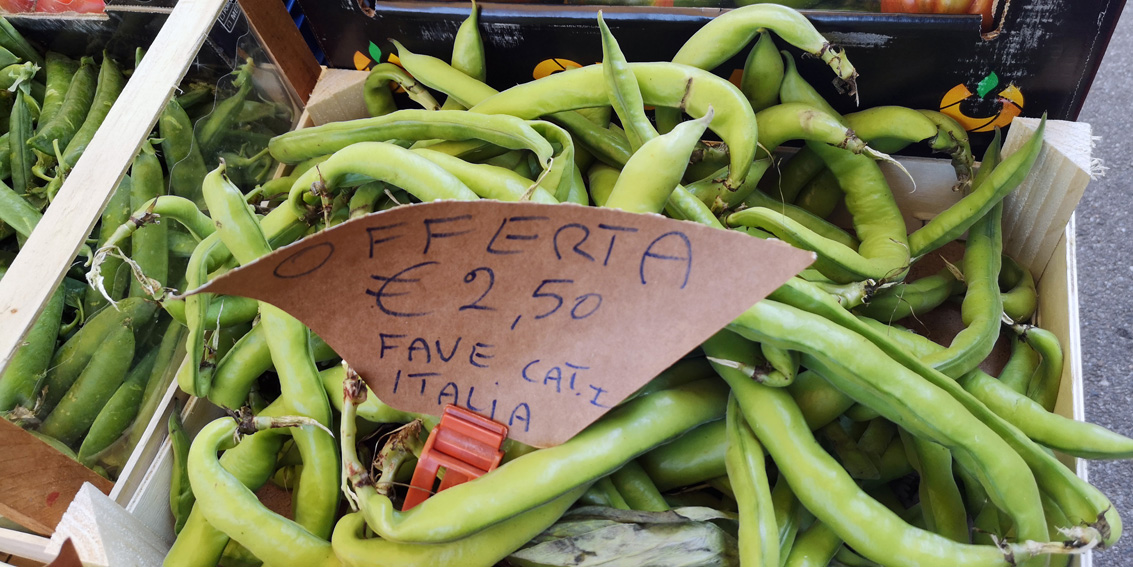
(87, 378)
(826, 431)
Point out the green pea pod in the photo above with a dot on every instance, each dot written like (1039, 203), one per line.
(213, 127)
(7, 57)
(72, 417)
(60, 69)
(16, 212)
(180, 491)
(649, 177)
(181, 153)
(119, 412)
(20, 380)
(116, 213)
(759, 534)
(75, 355)
(5, 151)
(72, 112)
(13, 41)
(149, 245)
(109, 86)
(20, 127)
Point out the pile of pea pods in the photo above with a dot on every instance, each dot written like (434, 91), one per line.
(88, 377)
(812, 430)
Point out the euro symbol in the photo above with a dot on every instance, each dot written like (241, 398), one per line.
(382, 295)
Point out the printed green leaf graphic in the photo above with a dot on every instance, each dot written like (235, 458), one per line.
(376, 53)
(986, 85)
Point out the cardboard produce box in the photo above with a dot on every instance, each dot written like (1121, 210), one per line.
(1040, 56)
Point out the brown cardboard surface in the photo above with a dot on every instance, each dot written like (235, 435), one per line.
(541, 317)
(68, 557)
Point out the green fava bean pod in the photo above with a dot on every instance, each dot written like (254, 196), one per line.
(73, 110)
(109, 86)
(747, 472)
(902, 398)
(483, 549)
(489, 181)
(763, 72)
(815, 546)
(1079, 499)
(181, 153)
(26, 370)
(386, 162)
(662, 85)
(692, 458)
(727, 34)
(913, 298)
(1020, 301)
(653, 172)
(468, 52)
(940, 498)
(528, 481)
(149, 245)
(72, 417)
(982, 308)
(1043, 388)
(623, 91)
(251, 463)
(379, 98)
(1004, 178)
(503, 131)
(316, 499)
(271, 537)
(814, 476)
(637, 489)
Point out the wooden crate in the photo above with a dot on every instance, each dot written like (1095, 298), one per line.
(51, 249)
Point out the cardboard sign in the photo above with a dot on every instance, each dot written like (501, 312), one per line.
(542, 317)
(68, 556)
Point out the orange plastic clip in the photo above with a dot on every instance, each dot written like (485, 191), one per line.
(466, 444)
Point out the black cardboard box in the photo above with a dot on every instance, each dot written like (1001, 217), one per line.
(1042, 58)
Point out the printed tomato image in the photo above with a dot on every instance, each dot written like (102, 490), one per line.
(73, 6)
(14, 6)
(982, 7)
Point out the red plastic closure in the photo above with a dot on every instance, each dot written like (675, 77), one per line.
(466, 444)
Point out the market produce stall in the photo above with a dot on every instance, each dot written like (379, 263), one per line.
(907, 399)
